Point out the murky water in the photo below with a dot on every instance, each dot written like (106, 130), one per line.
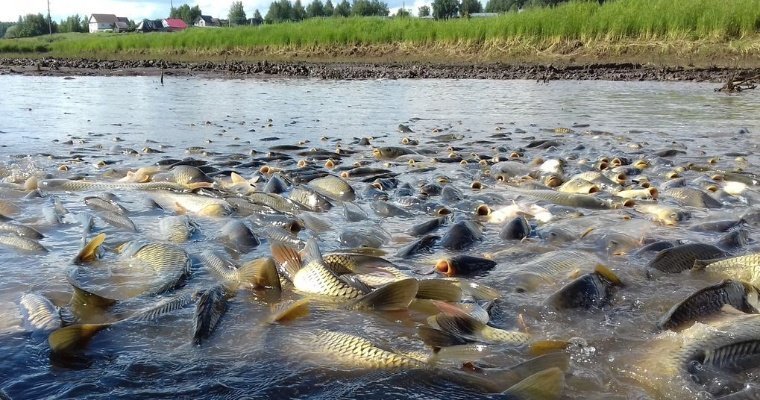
(46, 123)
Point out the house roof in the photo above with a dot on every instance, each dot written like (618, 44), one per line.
(175, 23)
(122, 19)
(206, 18)
(104, 18)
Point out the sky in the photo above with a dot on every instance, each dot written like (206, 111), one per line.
(139, 9)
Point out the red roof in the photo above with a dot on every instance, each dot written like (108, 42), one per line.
(176, 23)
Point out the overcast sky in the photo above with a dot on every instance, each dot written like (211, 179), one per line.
(139, 9)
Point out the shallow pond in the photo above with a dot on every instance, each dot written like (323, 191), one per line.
(99, 128)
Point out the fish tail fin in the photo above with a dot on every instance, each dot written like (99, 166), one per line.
(544, 385)
(607, 274)
(547, 346)
(311, 252)
(287, 258)
(68, 339)
(392, 296)
(90, 251)
(83, 298)
(260, 272)
(439, 289)
(289, 311)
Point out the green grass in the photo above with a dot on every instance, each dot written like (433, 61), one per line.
(585, 21)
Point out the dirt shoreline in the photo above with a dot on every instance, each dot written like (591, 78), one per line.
(344, 70)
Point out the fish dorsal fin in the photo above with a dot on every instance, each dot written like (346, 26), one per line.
(439, 289)
(289, 311)
(237, 179)
(389, 297)
(438, 339)
(164, 308)
(607, 274)
(261, 272)
(90, 251)
(311, 252)
(287, 258)
(354, 281)
(71, 338)
(544, 385)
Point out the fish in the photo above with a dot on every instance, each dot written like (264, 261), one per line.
(276, 202)
(182, 203)
(209, 310)
(333, 187)
(516, 229)
(309, 199)
(238, 237)
(470, 329)
(183, 175)
(693, 197)
(428, 226)
(710, 300)
(461, 235)
(549, 267)
(390, 153)
(745, 267)
(681, 258)
(356, 352)
(423, 244)
(464, 265)
(20, 230)
(22, 243)
(39, 313)
(665, 370)
(258, 273)
(569, 199)
(578, 186)
(373, 271)
(102, 204)
(72, 185)
(177, 228)
(117, 220)
(662, 213)
(591, 290)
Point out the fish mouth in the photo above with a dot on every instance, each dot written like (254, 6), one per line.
(445, 267)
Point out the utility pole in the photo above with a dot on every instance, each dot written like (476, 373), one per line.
(50, 22)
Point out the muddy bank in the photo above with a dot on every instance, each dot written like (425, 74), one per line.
(613, 72)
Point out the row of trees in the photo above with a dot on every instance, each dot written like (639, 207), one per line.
(185, 13)
(284, 10)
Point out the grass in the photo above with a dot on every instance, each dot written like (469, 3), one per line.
(582, 27)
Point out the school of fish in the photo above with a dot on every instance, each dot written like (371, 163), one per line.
(508, 264)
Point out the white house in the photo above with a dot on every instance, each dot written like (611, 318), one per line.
(105, 23)
(206, 21)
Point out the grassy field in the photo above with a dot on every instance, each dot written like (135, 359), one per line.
(665, 31)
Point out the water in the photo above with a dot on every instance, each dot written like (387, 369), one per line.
(49, 122)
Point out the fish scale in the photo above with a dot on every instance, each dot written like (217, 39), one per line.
(359, 352)
(316, 278)
(710, 300)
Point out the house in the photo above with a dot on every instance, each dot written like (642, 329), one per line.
(174, 24)
(107, 23)
(206, 21)
(148, 25)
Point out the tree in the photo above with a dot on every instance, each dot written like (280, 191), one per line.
(298, 13)
(72, 23)
(402, 13)
(315, 9)
(85, 24)
(445, 9)
(369, 7)
(237, 13)
(257, 19)
(501, 6)
(470, 7)
(343, 9)
(423, 11)
(329, 9)
(33, 25)
(279, 11)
